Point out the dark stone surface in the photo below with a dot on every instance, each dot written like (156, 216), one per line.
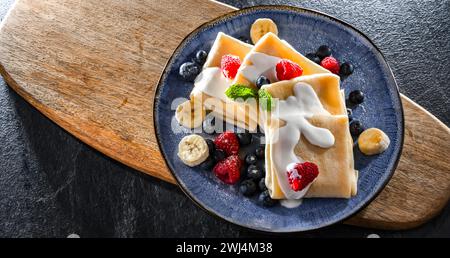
(52, 185)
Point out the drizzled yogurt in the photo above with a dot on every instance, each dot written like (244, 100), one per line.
(261, 64)
(211, 81)
(295, 111)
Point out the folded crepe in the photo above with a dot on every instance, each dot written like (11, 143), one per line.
(337, 176)
(262, 60)
(212, 95)
(244, 114)
(269, 50)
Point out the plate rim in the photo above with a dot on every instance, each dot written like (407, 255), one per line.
(295, 9)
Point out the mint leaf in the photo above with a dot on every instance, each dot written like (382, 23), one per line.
(265, 100)
(240, 91)
(236, 91)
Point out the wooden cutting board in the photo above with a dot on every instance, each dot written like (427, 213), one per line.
(92, 66)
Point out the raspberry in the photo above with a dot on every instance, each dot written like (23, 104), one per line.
(229, 169)
(228, 142)
(286, 70)
(230, 65)
(331, 64)
(301, 175)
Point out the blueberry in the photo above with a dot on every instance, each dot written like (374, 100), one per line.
(209, 125)
(262, 184)
(348, 103)
(356, 97)
(260, 152)
(244, 39)
(350, 114)
(265, 200)
(200, 57)
(254, 172)
(247, 187)
(211, 146)
(261, 81)
(323, 51)
(313, 57)
(346, 69)
(219, 155)
(243, 171)
(208, 163)
(244, 138)
(250, 159)
(189, 71)
(356, 128)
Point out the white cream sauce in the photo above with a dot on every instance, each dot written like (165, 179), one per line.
(289, 203)
(211, 81)
(262, 64)
(295, 111)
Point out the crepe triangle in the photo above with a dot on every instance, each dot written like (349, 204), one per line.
(231, 111)
(271, 45)
(337, 176)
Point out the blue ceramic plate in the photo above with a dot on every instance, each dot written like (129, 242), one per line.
(305, 30)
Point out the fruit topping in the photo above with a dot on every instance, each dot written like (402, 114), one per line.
(219, 155)
(247, 187)
(230, 65)
(250, 159)
(331, 64)
(346, 69)
(244, 39)
(200, 57)
(262, 184)
(323, 51)
(286, 70)
(208, 163)
(260, 152)
(189, 71)
(356, 127)
(260, 27)
(190, 114)
(254, 172)
(262, 80)
(265, 200)
(228, 142)
(300, 175)
(356, 97)
(373, 141)
(228, 170)
(313, 57)
(244, 138)
(193, 150)
(211, 146)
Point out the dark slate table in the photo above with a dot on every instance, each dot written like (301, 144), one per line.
(53, 185)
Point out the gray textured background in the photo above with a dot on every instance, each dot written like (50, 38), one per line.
(52, 185)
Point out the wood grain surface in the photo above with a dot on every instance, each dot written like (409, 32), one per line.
(92, 67)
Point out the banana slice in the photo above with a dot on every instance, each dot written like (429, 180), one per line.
(262, 26)
(190, 115)
(373, 141)
(193, 150)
